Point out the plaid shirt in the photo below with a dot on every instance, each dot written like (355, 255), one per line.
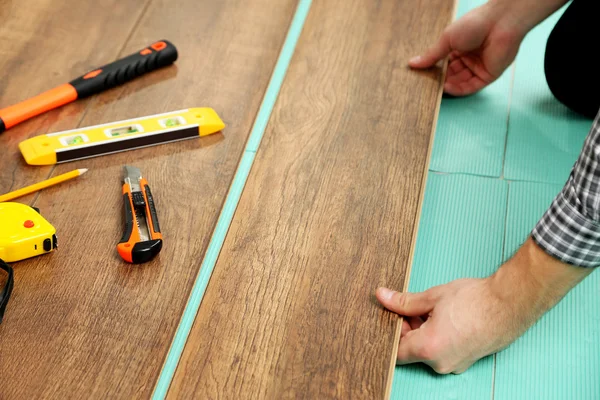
(570, 228)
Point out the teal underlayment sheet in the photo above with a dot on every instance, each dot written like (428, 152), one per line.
(460, 235)
(471, 131)
(498, 160)
(544, 137)
(559, 358)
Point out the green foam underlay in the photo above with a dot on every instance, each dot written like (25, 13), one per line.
(460, 235)
(544, 137)
(559, 357)
(471, 131)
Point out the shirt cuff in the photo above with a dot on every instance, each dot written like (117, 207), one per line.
(566, 234)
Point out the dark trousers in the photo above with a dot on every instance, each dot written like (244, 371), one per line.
(572, 63)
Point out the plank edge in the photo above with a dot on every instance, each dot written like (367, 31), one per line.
(399, 320)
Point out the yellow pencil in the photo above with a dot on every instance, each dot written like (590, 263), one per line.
(42, 185)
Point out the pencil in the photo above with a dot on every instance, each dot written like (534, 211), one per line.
(42, 185)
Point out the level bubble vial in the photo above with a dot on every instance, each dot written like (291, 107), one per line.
(172, 122)
(123, 130)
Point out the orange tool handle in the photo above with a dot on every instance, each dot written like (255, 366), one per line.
(131, 248)
(157, 55)
(37, 105)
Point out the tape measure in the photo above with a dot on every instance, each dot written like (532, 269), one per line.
(120, 136)
(24, 233)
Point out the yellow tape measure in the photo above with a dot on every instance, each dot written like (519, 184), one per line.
(120, 136)
(24, 233)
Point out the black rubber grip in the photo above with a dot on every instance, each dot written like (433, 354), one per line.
(138, 200)
(159, 54)
(152, 209)
(2, 126)
(145, 251)
(128, 219)
(8, 287)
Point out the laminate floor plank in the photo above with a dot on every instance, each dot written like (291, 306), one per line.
(328, 214)
(82, 323)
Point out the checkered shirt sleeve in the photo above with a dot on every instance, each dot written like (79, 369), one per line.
(570, 229)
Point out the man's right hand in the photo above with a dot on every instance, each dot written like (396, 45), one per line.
(480, 46)
(451, 326)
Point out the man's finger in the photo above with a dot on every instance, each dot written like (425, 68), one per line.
(410, 323)
(415, 322)
(410, 349)
(433, 54)
(407, 304)
(405, 328)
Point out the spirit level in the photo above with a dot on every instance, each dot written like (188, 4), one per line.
(120, 136)
(157, 55)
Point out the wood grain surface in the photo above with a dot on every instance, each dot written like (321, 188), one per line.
(81, 323)
(328, 215)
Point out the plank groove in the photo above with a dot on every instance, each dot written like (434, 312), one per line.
(327, 215)
(81, 323)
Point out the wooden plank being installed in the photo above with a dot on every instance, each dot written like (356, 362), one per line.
(82, 323)
(328, 214)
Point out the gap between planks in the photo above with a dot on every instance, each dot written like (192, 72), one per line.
(235, 191)
(411, 255)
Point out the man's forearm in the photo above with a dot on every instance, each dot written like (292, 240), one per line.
(533, 279)
(523, 15)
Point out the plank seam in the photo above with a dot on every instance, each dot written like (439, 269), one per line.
(505, 228)
(510, 95)
(94, 98)
(231, 201)
(411, 255)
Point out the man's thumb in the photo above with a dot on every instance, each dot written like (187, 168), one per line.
(407, 304)
(434, 54)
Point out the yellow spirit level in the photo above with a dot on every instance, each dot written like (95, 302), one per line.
(24, 233)
(120, 136)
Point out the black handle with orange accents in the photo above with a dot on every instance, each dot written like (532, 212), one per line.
(157, 55)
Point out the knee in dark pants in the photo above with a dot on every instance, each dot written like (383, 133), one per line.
(566, 87)
(570, 73)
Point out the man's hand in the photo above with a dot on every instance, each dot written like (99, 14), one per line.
(484, 42)
(450, 327)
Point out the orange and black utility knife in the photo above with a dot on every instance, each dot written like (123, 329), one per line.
(142, 239)
(157, 55)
